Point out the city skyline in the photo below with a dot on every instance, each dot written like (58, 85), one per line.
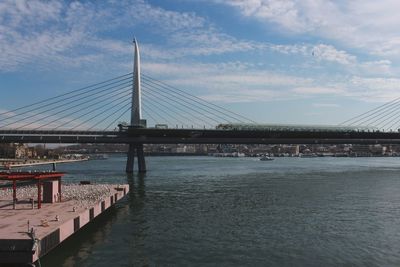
(310, 62)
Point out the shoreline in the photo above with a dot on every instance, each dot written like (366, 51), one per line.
(8, 164)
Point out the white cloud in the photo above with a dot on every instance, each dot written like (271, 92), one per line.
(24, 13)
(326, 105)
(382, 67)
(223, 75)
(321, 52)
(227, 82)
(243, 96)
(318, 90)
(41, 35)
(71, 33)
(73, 39)
(374, 89)
(367, 24)
(329, 53)
(24, 41)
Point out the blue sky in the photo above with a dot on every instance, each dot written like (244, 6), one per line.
(276, 61)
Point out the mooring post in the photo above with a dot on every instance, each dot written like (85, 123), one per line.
(39, 198)
(131, 158)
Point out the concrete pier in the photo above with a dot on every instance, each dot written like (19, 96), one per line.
(27, 233)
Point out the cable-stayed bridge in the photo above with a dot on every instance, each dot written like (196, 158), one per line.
(113, 111)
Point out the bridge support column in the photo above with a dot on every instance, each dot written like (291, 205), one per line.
(141, 159)
(138, 150)
(131, 158)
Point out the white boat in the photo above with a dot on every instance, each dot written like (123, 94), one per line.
(266, 158)
(98, 157)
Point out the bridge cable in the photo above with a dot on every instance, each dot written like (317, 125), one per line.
(391, 118)
(128, 109)
(383, 106)
(62, 100)
(93, 110)
(102, 111)
(168, 108)
(110, 116)
(176, 90)
(374, 117)
(148, 105)
(96, 115)
(195, 97)
(79, 110)
(151, 110)
(395, 123)
(379, 115)
(195, 101)
(182, 104)
(55, 97)
(145, 106)
(179, 108)
(370, 113)
(67, 104)
(184, 99)
(147, 114)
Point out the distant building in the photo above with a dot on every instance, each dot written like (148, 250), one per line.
(7, 151)
(17, 151)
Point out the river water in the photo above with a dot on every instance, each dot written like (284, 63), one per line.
(205, 211)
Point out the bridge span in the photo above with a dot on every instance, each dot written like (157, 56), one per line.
(140, 136)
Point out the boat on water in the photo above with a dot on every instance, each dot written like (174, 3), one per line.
(266, 158)
(229, 155)
(308, 156)
(98, 157)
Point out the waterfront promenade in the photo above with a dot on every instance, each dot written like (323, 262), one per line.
(28, 233)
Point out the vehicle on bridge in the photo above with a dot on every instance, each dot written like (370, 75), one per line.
(293, 128)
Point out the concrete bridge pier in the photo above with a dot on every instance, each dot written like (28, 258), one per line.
(138, 150)
(141, 159)
(131, 159)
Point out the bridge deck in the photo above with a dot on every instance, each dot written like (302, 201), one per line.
(201, 136)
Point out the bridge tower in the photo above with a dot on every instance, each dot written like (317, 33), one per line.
(136, 116)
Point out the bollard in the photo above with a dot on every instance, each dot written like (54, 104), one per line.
(33, 203)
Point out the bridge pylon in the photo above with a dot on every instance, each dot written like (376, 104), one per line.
(136, 116)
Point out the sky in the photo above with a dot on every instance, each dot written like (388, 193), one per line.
(274, 61)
